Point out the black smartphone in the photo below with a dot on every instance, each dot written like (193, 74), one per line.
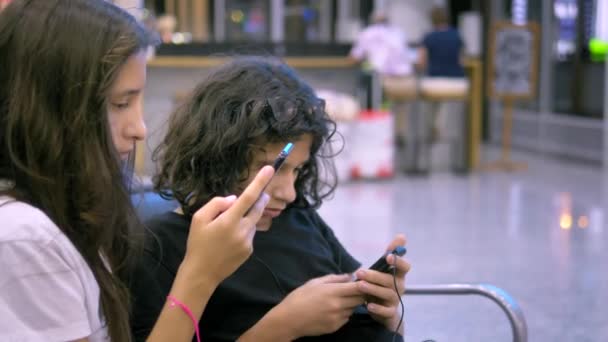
(382, 266)
(278, 162)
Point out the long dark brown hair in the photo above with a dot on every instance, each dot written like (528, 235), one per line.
(59, 59)
(240, 106)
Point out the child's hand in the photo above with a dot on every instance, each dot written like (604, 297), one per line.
(321, 306)
(221, 233)
(379, 288)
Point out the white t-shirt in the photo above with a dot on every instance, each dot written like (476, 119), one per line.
(385, 47)
(47, 290)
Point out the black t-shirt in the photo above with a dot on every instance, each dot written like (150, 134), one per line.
(298, 247)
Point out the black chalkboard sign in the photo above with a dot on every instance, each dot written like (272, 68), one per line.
(513, 64)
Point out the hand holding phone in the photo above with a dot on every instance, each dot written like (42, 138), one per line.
(382, 266)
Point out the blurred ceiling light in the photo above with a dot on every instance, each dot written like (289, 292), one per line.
(565, 221)
(237, 16)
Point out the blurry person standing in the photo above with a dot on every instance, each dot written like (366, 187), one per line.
(385, 48)
(440, 57)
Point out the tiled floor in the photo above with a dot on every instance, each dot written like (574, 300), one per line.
(540, 235)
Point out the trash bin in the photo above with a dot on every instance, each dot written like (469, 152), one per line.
(343, 109)
(372, 145)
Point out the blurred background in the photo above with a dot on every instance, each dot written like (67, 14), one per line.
(493, 162)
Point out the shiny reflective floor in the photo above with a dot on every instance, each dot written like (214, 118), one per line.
(540, 235)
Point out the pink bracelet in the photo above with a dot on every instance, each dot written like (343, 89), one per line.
(188, 312)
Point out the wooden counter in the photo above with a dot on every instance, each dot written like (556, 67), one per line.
(208, 62)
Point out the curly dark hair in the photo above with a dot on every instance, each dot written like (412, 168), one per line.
(240, 106)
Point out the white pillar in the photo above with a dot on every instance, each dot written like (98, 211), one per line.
(519, 10)
(277, 21)
(380, 5)
(545, 86)
(325, 18)
(219, 22)
(348, 23)
(135, 7)
(601, 20)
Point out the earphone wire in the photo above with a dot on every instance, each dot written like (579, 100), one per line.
(400, 302)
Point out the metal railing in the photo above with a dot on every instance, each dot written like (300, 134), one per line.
(506, 302)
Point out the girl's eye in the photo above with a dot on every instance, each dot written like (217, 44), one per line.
(122, 105)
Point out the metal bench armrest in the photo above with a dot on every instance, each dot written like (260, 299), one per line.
(506, 302)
